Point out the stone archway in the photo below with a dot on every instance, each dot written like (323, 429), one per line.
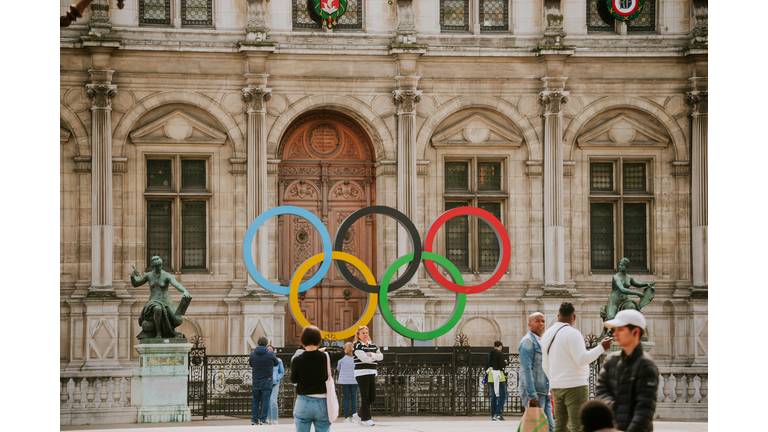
(327, 168)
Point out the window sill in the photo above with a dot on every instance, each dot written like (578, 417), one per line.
(194, 271)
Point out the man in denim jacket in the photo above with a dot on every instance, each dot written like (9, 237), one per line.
(534, 384)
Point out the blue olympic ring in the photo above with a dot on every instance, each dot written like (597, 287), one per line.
(296, 211)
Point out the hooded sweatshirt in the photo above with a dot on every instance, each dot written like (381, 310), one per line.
(263, 362)
(567, 364)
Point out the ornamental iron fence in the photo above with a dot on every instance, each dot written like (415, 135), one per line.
(410, 381)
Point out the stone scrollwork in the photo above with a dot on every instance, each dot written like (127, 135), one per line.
(406, 100)
(553, 101)
(698, 101)
(256, 16)
(405, 17)
(101, 95)
(256, 98)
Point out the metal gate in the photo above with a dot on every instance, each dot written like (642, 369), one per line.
(410, 381)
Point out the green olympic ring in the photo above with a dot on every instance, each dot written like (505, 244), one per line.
(386, 312)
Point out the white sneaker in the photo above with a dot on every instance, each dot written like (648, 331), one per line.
(357, 419)
(347, 420)
(275, 423)
(369, 423)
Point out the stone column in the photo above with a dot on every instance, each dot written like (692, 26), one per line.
(405, 100)
(554, 218)
(699, 190)
(256, 99)
(101, 93)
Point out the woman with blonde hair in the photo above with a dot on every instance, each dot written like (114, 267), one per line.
(347, 381)
(366, 355)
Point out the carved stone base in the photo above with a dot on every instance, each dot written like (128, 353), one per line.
(161, 383)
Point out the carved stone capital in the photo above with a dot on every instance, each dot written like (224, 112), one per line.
(701, 14)
(405, 100)
(101, 95)
(257, 17)
(406, 23)
(553, 101)
(698, 101)
(256, 98)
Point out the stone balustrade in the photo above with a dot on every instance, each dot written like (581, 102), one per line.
(682, 393)
(97, 397)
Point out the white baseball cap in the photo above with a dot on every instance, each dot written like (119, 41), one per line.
(627, 317)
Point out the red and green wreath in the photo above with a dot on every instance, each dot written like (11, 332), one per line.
(625, 10)
(330, 10)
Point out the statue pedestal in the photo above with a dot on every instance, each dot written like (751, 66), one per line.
(647, 347)
(162, 383)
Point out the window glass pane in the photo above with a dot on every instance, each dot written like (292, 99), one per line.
(159, 231)
(634, 177)
(454, 15)
(155, 11)
(601, 229)
(158, 174)
(193, 234)
(494, 15)
(645, 21)
(457, 237)
(598, 17)
(353, 17)
(489, 175)
(488, 243)
(192, 174)
(601, 176)
(196, 12)
(456, 175)
(635, 235)
(301, 17)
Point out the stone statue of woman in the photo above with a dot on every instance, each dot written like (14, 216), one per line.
(619, 299)
(160, 316)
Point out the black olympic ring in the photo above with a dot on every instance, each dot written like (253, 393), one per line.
(413, 233)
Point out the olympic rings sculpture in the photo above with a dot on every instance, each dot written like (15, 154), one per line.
(377, 293)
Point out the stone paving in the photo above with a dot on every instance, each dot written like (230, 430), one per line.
(386, 424)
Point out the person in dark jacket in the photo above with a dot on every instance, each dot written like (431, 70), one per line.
(629, 379)
(263, 362)
(497, 380)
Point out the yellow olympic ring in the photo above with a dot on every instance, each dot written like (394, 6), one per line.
(370, 308)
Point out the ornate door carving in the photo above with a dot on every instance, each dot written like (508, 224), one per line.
(327, 168)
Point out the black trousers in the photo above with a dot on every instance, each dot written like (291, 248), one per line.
(367, 385)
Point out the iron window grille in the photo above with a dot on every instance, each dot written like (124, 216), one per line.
(598, 17)
(454, 15)
(304, 16)
(620, 209)
(197, 12)
(645, 22)
(470, 243)
(494, 15)
(155, 12)
(177, 211)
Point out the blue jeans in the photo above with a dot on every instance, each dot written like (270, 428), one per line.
(262, 390)
(498, 401)
(273, 412)
(545, 403)
(349, 390)
(310, 410)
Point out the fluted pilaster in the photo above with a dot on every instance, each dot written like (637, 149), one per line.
(256, 100)
(698, 100)
(101, 96)
(554, 218)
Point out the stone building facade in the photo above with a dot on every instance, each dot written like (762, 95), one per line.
(182, 120)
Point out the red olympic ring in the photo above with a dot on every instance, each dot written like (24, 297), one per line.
(501, 234)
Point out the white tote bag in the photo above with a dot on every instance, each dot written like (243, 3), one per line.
(330, 394)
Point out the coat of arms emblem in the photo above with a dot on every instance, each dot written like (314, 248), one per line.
(625, 10)
(330, 10)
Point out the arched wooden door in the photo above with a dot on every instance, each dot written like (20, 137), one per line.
(327, 168)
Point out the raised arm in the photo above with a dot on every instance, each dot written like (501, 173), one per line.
(617, 281)
(178, 286)
(635, 283)
(140, 281)
(581, 356)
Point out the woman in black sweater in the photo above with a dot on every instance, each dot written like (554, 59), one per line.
(309, 371)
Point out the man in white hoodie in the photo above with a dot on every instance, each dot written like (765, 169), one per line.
(565, 361)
